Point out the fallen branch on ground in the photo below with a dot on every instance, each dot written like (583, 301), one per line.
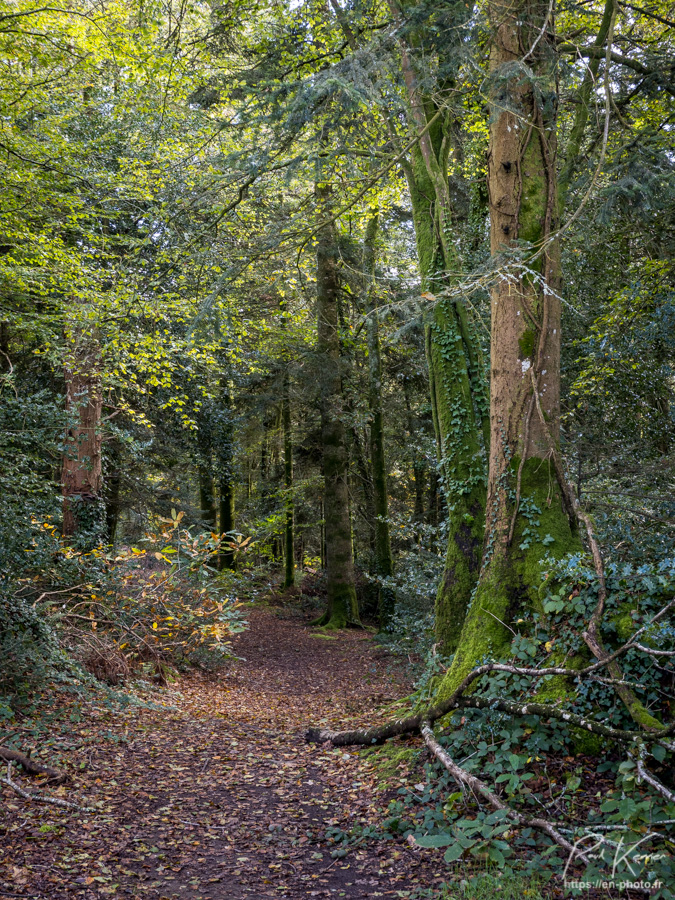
(463, 777)
(32, 766)
(40, 798)
(413, 723)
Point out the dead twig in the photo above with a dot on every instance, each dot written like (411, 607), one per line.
(479, 787)
(40, 798)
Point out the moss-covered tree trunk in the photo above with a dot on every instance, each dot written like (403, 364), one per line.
(456, 380)
(340, 581)
(384, 565)
(527, 516)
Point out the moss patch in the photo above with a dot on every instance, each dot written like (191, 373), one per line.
(526, 344)
(510, 583)
(388, 759)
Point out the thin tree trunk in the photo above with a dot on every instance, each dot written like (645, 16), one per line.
(207, 500)
(226, 558)
(289, 529)
(384, 564)
(340, 580)
(417, 464)
(224, 432)
(366, 479)
(207, 503)
(111, 493)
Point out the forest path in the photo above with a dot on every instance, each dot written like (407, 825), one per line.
(220, 798)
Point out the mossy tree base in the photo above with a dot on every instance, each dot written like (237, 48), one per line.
(508, 588)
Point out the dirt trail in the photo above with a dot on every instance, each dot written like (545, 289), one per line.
(223, 799)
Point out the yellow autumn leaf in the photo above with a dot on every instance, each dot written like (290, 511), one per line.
(548, 646)
(154, 626)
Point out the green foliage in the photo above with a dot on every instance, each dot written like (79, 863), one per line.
(30, 651)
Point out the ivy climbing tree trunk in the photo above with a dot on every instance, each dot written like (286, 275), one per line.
(340, 581)
(384, 565)
(81, 473)
(458, 388)
(528, 512)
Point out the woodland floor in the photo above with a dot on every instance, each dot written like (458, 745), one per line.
(217, 795)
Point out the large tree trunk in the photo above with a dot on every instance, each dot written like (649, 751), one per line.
(384, 566)
(527, 518)
(342, 603)
(456, 379)
(457, 384)
(81, 475)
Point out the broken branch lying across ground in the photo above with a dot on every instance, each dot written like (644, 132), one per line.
(467, 697)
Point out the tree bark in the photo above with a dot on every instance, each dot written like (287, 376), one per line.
(207, 503)
(457, 383)
(224, 433)
(81, 474)
(340, 581)
(528, 514)
(111, 489)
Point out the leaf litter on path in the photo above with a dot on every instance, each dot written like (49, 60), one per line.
(216, 796)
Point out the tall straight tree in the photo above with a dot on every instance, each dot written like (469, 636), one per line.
(287, 427)
(457, 383)
(340, 580)
(384, 566)
(529, 515)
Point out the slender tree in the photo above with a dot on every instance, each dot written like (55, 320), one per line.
(289, 504)
(81, 477)
(384, 565)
